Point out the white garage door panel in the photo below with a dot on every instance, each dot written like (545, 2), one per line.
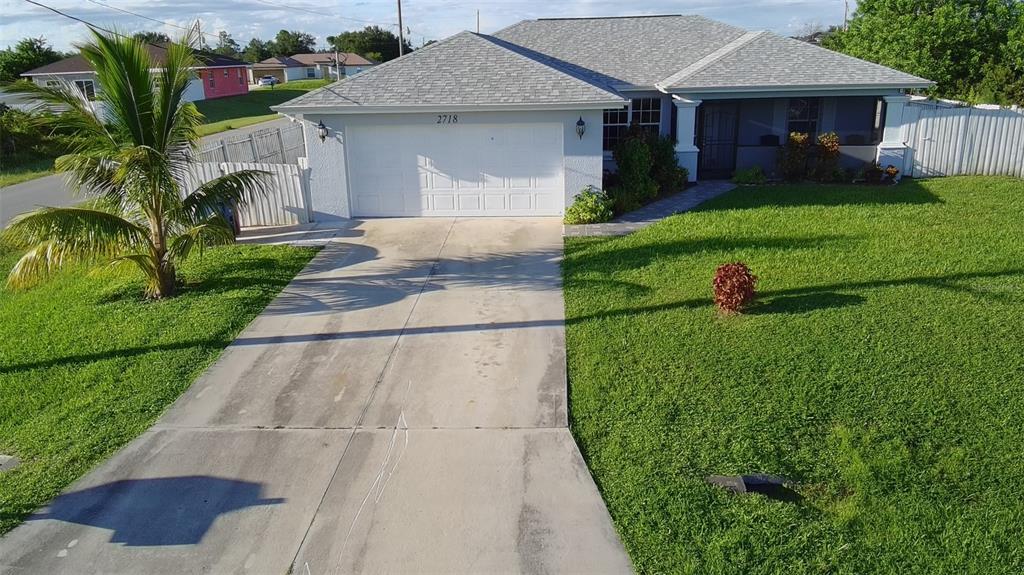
(467, 169)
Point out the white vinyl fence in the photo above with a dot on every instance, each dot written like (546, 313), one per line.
(285, 202)
(947, 140)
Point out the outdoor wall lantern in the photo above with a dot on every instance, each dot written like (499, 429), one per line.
(321, 130)
(581, 127)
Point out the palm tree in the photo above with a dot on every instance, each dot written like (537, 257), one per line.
(129, 162)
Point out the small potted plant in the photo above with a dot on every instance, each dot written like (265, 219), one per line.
(873, 174)
(891, 172)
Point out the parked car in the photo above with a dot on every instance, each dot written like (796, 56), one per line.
(267, 81)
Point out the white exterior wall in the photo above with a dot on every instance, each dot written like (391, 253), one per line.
(328, 179)
(194, 92)
(295, 73)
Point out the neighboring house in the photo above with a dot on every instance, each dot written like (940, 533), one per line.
(216, 77)
(519, 122)
(310, 66)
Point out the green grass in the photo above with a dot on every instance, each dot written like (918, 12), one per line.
(16, 172)
(238, 111)
(882, 372)
(86, 364)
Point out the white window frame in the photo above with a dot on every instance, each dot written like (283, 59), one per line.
(81, 84)
(633, 115)
(310, 72)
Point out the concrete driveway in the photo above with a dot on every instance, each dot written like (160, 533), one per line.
(399, 408)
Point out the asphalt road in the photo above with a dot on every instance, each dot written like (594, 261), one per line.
(52, 190)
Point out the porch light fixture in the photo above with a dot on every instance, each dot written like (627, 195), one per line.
(581, 127)
(321, 130)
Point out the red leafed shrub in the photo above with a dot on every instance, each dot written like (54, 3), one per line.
(734, 287)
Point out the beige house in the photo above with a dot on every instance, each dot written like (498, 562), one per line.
(309, 66)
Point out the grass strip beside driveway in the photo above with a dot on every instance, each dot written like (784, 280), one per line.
(86, 364)
(882, 372)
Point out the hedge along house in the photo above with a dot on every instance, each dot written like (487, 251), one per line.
(519, 122)
(216, 76)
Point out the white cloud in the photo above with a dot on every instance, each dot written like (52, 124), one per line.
(427, 19)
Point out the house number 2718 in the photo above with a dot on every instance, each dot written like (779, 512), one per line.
(447, 118)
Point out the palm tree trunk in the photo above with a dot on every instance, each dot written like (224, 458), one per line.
(166, 280)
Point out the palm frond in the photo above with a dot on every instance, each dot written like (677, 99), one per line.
(87, 231)
(176, 121)
(214, 230)
(237, 188)
(122, 66)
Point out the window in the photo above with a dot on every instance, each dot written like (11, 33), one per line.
(87, 87)
(616, 122)
(239, 70)
(645, 112)
(803, 116)
(53, 83)
(311, 72)
(213, 81)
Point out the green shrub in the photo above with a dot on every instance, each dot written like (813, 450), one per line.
(591, 206)
(665, 168)
(753, 176)
(826, 169)
(26, 137)
(793, 157)
(622, 201)
(633, 158)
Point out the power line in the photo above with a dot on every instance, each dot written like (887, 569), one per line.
(122, 10)
(75, 18)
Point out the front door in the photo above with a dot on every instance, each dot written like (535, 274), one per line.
(716, 137)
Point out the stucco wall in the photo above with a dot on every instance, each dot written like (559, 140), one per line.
(294, 73)
(327, 160)
(226, 81)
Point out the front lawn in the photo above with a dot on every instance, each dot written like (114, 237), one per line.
(237, 111)
(882, 372)
(86, 364)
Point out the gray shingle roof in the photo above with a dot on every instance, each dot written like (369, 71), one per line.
(466, 69)
(680, 52)
(640, 51)
(768, 60)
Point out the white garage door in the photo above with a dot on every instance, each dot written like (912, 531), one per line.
(455, 169)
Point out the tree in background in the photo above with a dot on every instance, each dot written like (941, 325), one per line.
(970, 48)
(373, 42)
(27, 54)
(226, 45)
(152, 37)
(289, 42)
(256, 51)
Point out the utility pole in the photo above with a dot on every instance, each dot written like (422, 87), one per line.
(846, 15)
(477, 20)
(401, 31)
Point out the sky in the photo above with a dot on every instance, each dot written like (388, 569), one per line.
(425, 19)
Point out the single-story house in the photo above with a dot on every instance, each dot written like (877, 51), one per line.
(518, 122)
(310, 66)
(216, 77)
